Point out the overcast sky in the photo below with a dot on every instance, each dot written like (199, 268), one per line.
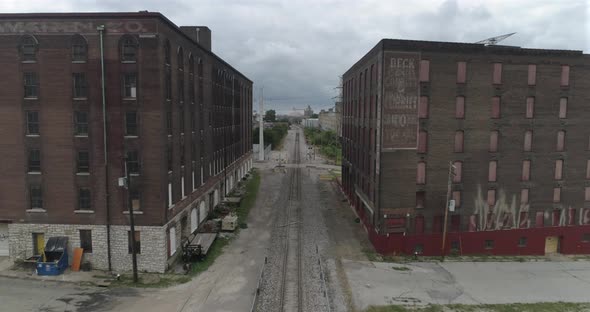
(297, 49)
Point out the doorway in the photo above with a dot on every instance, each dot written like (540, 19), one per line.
(551, 244)
(38, 244)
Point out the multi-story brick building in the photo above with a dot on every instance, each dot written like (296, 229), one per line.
(179, 114)
(512, 121)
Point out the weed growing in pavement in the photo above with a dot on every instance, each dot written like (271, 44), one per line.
(401, 268)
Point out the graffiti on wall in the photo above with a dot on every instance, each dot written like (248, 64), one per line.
(399, 121)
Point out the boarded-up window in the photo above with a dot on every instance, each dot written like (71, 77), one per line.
(588, 169)
(497, 75)
(530, 107)
(437, 224)
(420, 199)
(472, 223)
(558, 169)
(460, 107)
(424, 70)
(422, 142)
(491, 198)
(539, 219)
(457, 198)
(563, 107)
(565, 75)
(423, 107)
(528, 141)
(532, 74)
(556, 194)
(419, 224)
(421, 173)
(560, 141)
(495, 107)
(455, 223)
(459, 141)
(571, 216)
(461, 72)
(494, 141)
(524, 196)
(492, 171)
(556, 216)
(458, 171)
(587, 193)
(526, 170)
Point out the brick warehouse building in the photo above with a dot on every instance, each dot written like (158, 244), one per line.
(178, 112)
(512, 121)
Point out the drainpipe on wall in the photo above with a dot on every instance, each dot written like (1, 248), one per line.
(101, 30)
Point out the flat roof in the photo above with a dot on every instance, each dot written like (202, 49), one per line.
(116, 15)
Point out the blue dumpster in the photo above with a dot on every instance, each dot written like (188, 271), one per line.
(55, 257)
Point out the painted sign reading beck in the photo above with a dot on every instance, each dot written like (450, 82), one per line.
(76, 27)
(400, 100)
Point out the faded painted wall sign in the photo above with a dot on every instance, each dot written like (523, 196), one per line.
(401, 93)
(129, 26)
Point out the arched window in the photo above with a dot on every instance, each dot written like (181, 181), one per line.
(180, 58)
(129, 47)
(191, 83)
(79, 49)
(28, 48)
(167, 52)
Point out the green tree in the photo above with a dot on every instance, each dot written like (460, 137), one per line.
(270, 115)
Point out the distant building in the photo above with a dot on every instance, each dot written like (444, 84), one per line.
(308, 112)
(169, 102)
(512, 121)
(331, 119)
(310, 122)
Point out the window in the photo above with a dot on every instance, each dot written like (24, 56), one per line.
(79, 84)
(180, 60)
(491, 198)
(455, 246)
(418, 248)
(422, 141)
(522, 242)
(169, 157)
(128, 49)
(83, 161)
(460, 107)
(181, 87)
(565, 75)
(562, 108)
(528, 141)
(587, 193)
(130, 85)
(495, 107)
(171, 241)
(36, 197)
(420, 199)
(588, 169)
(131, 123)
(181, 118)
(558, 169)
(84, 199)
(530, 107)
(421, 173)
(167, 52)
(539, 219)
(461, 72)
(524, 196)
(32, 122)
(31, 85)
(556, 194)
(79, 49)
(497, 75)
(34, 160)
(494, 141)
(459, 141)
(458, 176)
(169, 197)
(28, 49)
(168, 82)
(423, 107)
(424, 70)
(526, 170)
(560, 141)
(532, 77)
(135, 199)
(133, 162)
(456, 196)
(86, 240)
(137, 242)
(80, 123)
(489, 244)
(492, 171)
(169, 122)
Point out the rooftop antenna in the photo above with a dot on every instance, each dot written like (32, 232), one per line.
(495, 40)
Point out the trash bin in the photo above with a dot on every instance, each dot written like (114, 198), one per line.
(56, 257)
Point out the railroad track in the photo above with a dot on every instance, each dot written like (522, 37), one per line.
(291, 286)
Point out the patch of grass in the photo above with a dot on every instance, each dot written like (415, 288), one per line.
(401, 268)
(214, 251)
(513, 307)
(249, 198)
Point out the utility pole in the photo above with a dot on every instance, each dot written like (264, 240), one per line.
(261, 132)
(131, 218)
(449, 181)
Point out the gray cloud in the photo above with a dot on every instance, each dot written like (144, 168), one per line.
(297, 49)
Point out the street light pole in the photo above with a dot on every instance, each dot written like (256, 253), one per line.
(449, 181)
(131, 219)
